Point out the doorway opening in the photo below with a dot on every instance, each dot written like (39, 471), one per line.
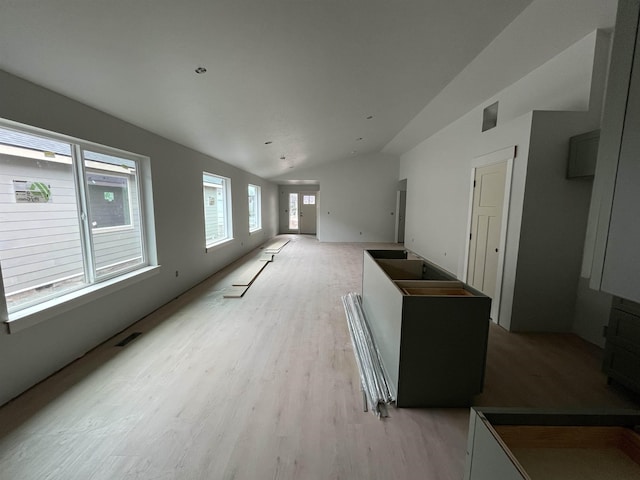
(298, 209)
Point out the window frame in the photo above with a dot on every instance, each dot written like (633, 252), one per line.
(289, 207)
(123, 227)
(258, 207)
(228, 210)
(95, 286)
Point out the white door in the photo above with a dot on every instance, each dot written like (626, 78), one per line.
(308, 213)
(486, 225)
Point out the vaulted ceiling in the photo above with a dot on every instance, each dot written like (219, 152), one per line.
(322, 80)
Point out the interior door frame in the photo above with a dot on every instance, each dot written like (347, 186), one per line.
(507, 155)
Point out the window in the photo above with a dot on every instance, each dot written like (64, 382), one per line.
(71, 215)
(309, 199)
(293, 211)
(255, 217)
(217, 209)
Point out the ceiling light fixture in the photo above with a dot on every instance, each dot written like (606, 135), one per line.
(268, 143)
(358, 139)
(369, 117)
(282, 157)
(201, 70)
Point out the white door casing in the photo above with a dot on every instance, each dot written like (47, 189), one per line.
(308, 202)
(487, 223)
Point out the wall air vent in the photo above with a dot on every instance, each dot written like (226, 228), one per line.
(490, 117)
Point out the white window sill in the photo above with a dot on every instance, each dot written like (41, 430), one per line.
(46, 310)
(216, 246)
(254, 231)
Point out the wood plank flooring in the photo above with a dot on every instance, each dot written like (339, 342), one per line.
(266, 387)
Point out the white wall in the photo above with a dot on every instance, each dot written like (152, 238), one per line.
(554, 223)
(543, 30)
(29, 356)
(357, 198)
(591, 313)
(439, 168)
(438, 176)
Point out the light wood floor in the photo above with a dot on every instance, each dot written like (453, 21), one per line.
(266, 387)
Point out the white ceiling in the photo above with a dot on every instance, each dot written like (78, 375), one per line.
(303, 74)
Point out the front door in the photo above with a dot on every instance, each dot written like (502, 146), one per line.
(308, 212)
(486, 224)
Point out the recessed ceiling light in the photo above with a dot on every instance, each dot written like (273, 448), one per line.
(282, 157)
(358, 139)
(201, 70)
(268, 143)
(369, 117)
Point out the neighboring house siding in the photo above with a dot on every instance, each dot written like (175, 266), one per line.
(122, 244)
(214, 213)
(40, 242)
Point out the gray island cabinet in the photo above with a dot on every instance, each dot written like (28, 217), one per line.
(622, 350)
(431, 329)
(517, 444)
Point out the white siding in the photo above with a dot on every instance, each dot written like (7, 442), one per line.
(40, 243)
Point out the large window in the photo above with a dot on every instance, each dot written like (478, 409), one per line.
(70, 215)
(217, 209)
(255, 218)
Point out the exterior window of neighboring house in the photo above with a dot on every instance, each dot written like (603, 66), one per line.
(109, 200)
(255, 217)
(72, 215)
(217, 209)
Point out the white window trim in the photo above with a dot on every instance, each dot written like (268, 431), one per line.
(229, 211)
(40, 312)
(259, 207)
(217, 246)
(219, 243)
(30, 316)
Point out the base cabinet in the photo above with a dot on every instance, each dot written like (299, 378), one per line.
(509, 444)
(622, 350)
(431, 329)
